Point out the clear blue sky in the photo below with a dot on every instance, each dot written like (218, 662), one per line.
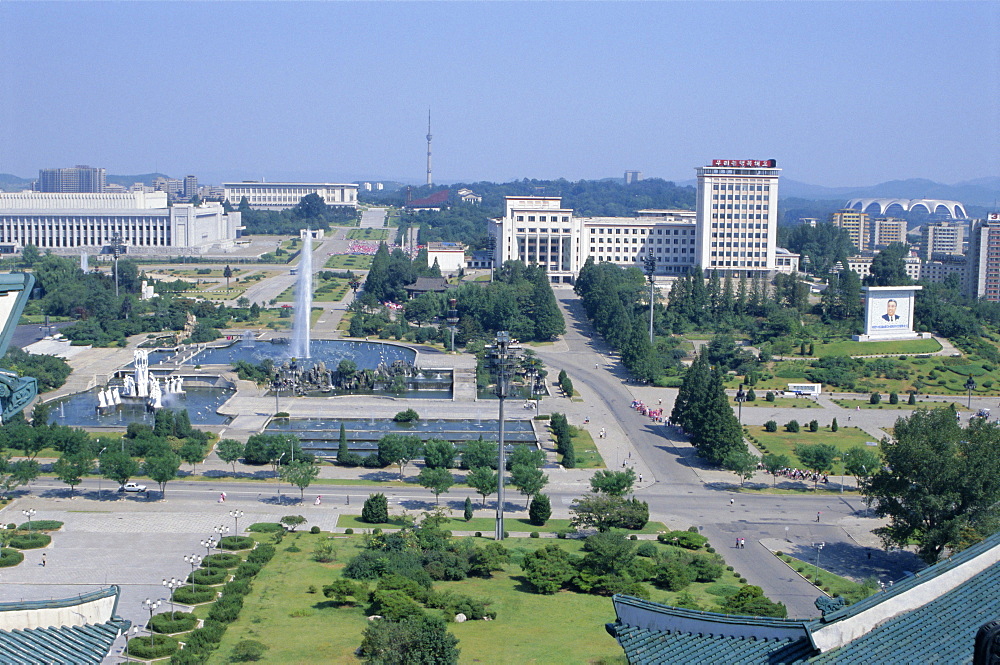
(841, 94)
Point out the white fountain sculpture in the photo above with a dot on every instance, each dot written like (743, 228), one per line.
(116, 396)
(175, 385)
(102, 400)
(129, 388)
(303, 301)
(155, 393)
(142, 378)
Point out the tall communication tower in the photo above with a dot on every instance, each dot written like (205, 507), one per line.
(430, 180)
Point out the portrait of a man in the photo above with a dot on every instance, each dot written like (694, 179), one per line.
(890, 311)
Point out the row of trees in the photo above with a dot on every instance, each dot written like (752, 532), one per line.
(311, 211)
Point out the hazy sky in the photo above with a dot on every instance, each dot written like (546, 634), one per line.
(845, 93)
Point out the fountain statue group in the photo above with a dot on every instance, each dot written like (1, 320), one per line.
(140, 387)
(291, 375)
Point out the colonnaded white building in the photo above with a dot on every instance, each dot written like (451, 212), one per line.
(284, 195)
(66, 223)
(733, 230)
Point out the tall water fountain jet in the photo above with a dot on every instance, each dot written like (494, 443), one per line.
(84, 262)
(303, 301)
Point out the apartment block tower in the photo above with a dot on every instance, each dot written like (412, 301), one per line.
(984, 258)
(941, 238)
(855, 223)
(737, 216)
(76, 180)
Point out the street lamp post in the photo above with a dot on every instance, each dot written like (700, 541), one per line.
(100, 485)
(819, 548)
(151, 605)
(133, 630)
(740, 398)
(172, 584)
(649, 263)
(236, 515)
(221, 531)
(195, 561)
(29, 513)
(501, 354)
(452, 321)
(208, 545)
(970, 385)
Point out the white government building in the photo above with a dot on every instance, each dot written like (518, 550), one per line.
(284, 195)
(66, 223)
(733, 230)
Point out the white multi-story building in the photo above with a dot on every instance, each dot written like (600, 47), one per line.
(941, 238)
(65, 223)
(539, 231)
(737, 223)
(862, 265)
(941, 266)
(284, 195)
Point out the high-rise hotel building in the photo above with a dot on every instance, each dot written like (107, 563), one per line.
(737, 216)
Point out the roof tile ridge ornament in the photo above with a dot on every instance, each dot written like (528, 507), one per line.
(16, 392)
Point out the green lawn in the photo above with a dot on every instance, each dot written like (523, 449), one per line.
(368, 234)
(324, 290)
(835, 585)
(300, 626)
(486, 525)
(778, 403)
(587, 455)
(349, 261)
(922, 403)
(851, 348)
(784, 443)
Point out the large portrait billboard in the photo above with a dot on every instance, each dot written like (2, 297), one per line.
(889, 311)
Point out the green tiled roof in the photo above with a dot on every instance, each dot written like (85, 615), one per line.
(940, 631)
(69, 645)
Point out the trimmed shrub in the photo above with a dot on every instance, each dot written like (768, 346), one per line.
(875, 398)
(262, 554)
(769, 396)
(314, 529)
(154, 646)
(792, 426)
(265, 527)
(10, 557)
(813, 425)
(206, 638)
(770, 426)
(29, 541)
(221, 560)
(247, 651)
(893, 398)
(534, 534)
(540, 510)
(685, 539)
(376, 509)
(238, 587)
(236, 543)
(41, 525)
(647, 549)
(208, 576)
(202, 593)
(247, 569)
(173, 622)
(349, 531)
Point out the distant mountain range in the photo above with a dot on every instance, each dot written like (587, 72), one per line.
(983, 192)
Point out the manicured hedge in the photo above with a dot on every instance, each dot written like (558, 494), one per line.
(141, 647)
(265, 527)
(10, 557)
(176, 622)
(208, 576)
(41, 525)
(202, 594)
(236, 543)
(222, 560)
(30, 541)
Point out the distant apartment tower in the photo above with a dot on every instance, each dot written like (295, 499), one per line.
(855, 223)
(737, 216)
(190, 186)
(984, 258)
(941, 238)
(886, 230)
(77, 180)
(632, 176)
(172, 186)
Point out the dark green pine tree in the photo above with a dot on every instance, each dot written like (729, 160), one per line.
(547, 317)
(718, 431)
(342, 449)
(376, 283)
(741, 297)
(691, 391)
(715, 292)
